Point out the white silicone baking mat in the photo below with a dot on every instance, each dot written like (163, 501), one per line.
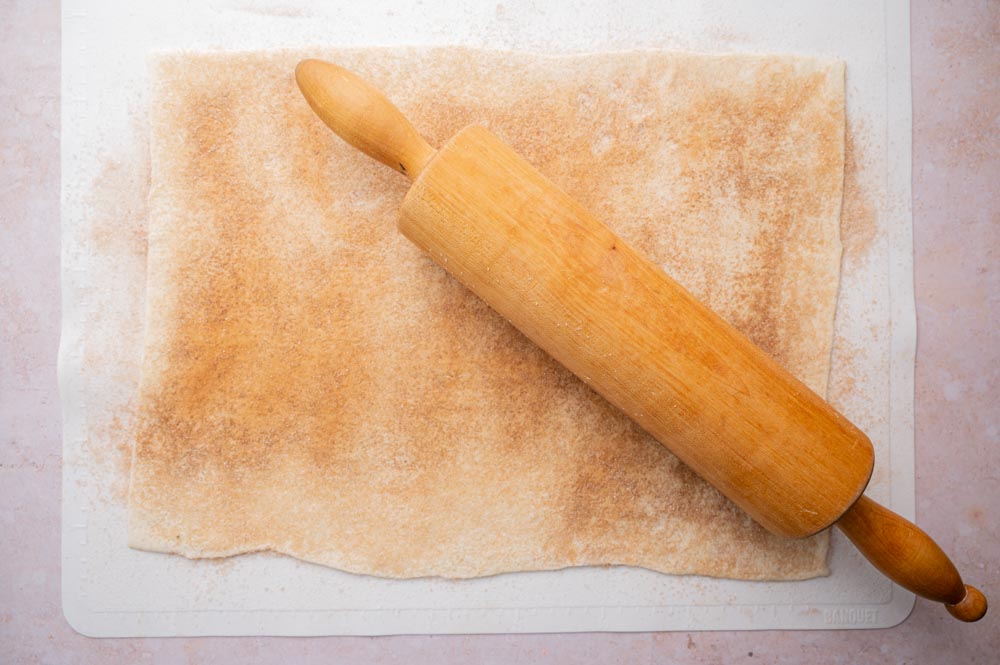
(111, 590)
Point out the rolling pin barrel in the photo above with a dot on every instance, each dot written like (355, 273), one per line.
(633, 334)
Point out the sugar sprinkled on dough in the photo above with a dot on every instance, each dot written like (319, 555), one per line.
(313, 385)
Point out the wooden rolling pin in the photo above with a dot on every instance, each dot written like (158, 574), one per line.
(618, 322)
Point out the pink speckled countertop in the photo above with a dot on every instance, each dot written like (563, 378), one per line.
(956, 214)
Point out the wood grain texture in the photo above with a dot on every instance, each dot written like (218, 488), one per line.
(629, 331)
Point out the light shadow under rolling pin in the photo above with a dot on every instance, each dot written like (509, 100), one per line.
(634, 335)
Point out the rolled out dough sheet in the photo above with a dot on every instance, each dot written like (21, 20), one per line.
(313, 385)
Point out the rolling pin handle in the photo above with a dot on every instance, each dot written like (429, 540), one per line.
(910, 558)
(362, 116)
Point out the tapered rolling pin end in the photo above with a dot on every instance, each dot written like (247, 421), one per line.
(305, 68)
(910, 558)
(362, 116)
(971, 608)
